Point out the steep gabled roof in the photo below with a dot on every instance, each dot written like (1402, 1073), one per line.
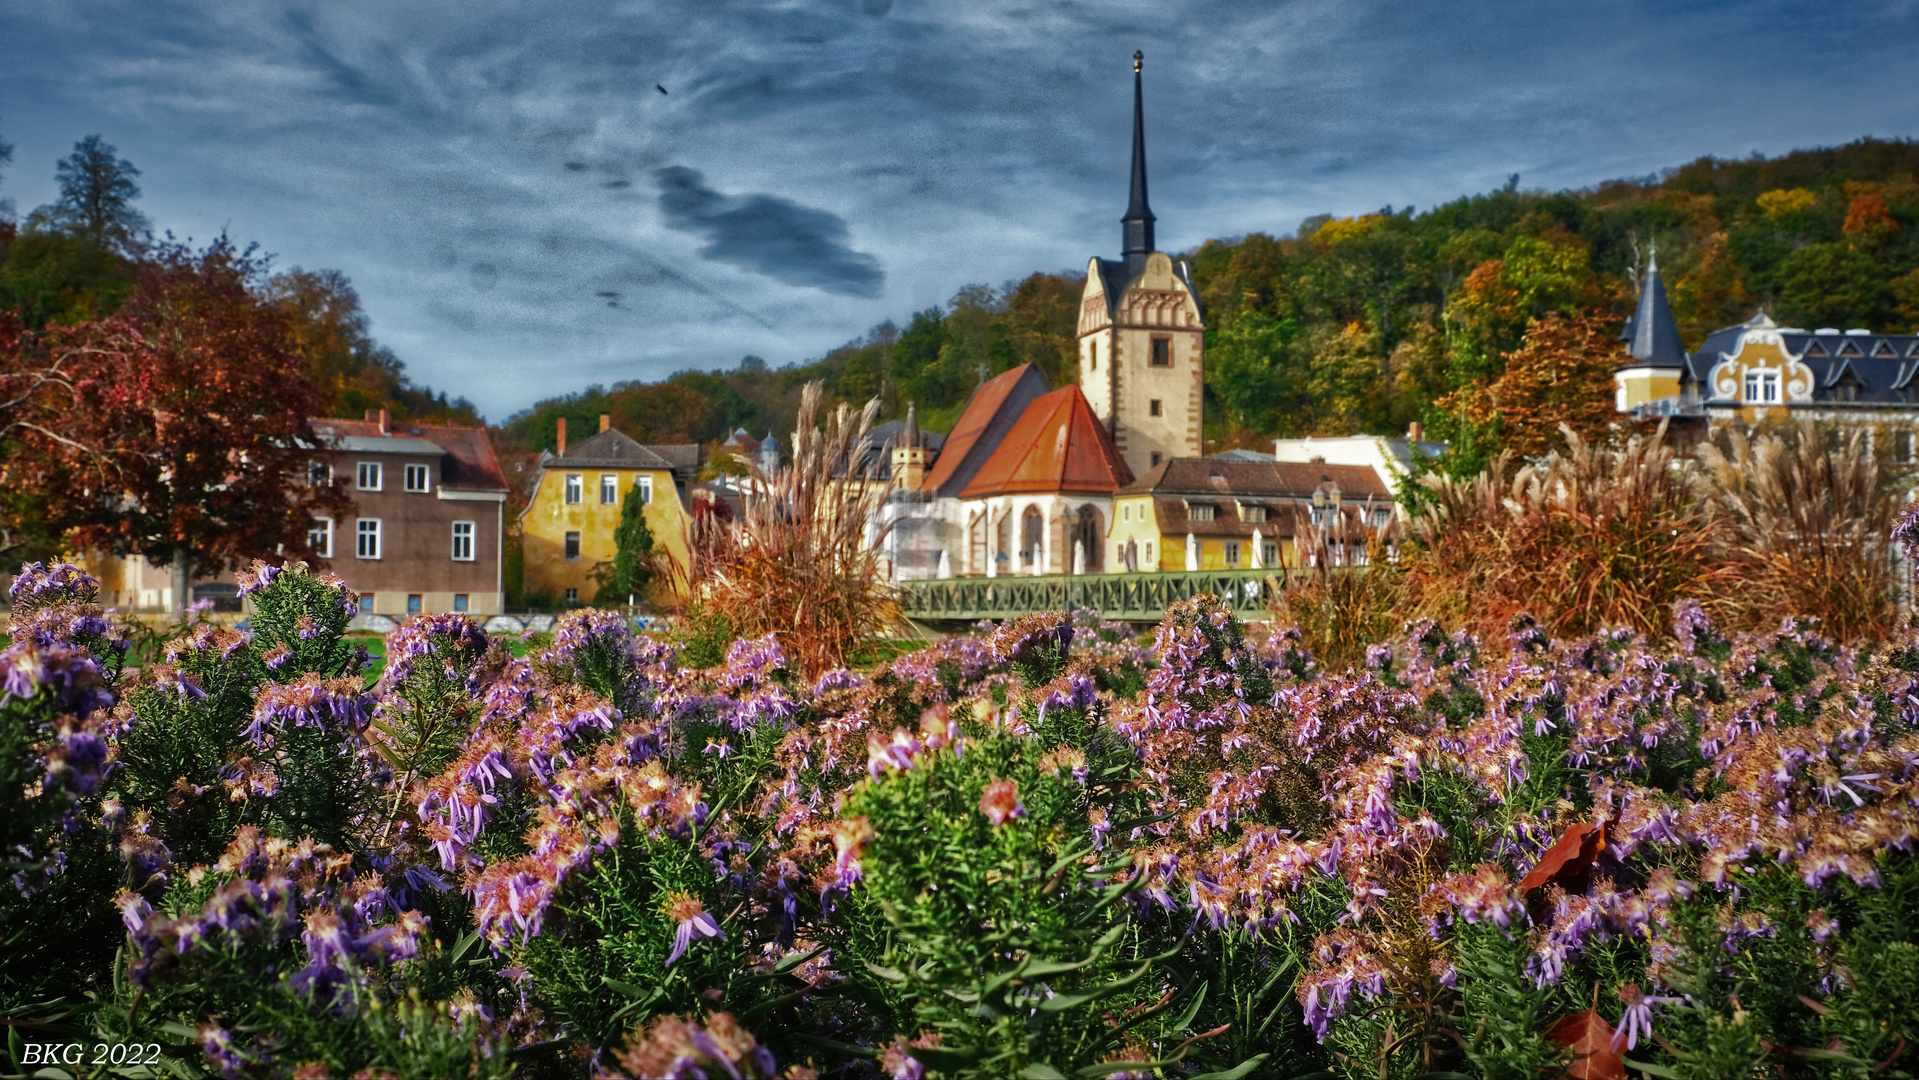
(990, 414)
(612, 449)
(1058, 445)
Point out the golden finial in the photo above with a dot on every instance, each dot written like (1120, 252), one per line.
(1137, 57)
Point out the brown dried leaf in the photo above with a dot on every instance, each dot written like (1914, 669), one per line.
(1590, 1038)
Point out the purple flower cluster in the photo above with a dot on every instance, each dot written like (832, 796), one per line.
(268, 893)
(448, 643)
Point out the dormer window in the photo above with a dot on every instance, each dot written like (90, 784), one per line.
(1762, 387)
(1199, 511)
(1253, 515)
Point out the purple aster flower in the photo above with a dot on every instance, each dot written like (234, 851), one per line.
(690, 918)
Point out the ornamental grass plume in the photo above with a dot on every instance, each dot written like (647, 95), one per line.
(802, 561)
(1813, 514)
(1591, 538)
(1349, 596)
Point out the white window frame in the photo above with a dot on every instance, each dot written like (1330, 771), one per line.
(609, 489)
(1231, 553)
(361, 534)
(426, 478)
(465, 535)
(575, 489)
(646, 491)
(375, 471)
(322, 528)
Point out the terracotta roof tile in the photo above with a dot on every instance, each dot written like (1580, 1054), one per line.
(1057, 445)
(991, 411)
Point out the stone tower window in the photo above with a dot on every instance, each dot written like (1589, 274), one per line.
(1153, 408)
(1162, 352)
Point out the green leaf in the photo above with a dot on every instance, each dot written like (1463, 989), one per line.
(1652, 1070)
(889, 974)
(834, 1045)
(629, 989)
(1242, 1069)
(1040, 1070)
(1062, 1002)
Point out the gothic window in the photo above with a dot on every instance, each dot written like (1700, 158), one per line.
(1162, 352)
(1032, 528)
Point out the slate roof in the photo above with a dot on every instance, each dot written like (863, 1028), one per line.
(874, 458)
(1057, 445)
(990, 414)
(1651, 335)
(1882, 368)
(467, 461)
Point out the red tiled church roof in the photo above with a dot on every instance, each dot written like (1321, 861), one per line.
(1057, 445)
(1002, 393)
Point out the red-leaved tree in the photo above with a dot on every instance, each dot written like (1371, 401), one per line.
(176, 429)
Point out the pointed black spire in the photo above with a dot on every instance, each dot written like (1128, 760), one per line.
(1136, 228)
(1655, 336)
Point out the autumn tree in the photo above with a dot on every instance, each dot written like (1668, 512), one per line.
(177, 430)
(328, 329)
(97, 190)
(1562, 373)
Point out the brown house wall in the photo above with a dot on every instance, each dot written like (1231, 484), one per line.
(416, 535)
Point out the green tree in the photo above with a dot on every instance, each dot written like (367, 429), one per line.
(97, 190)
(626, 577)
(1833, 284)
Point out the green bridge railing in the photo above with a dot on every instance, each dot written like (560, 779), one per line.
(1130, 597)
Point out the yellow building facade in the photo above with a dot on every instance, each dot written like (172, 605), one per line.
(1239, 514)
(567, 529)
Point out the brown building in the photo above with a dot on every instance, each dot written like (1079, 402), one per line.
(429, 515)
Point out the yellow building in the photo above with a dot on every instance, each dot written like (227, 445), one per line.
(1221, 513)
(568, 525)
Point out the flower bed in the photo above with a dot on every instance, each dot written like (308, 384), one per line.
(1039, 851)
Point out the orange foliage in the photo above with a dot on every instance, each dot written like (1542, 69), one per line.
(1560, 375)
(1868, 218)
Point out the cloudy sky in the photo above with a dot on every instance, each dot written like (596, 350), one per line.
(525, 212)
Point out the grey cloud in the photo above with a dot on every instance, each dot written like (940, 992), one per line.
(768, 235)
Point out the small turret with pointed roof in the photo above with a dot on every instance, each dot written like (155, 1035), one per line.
(909, 456)
(1136, 228)
(1654, 337)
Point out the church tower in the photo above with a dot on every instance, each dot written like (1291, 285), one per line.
(1141, 333)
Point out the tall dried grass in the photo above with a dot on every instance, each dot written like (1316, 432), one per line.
(1792, 522)
(1341, 611)
(802, 560)
(1813, 513)
(1590, 538)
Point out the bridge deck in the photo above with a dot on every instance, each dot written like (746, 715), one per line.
(1128, 597)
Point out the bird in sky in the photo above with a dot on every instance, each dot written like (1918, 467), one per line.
(612, 298)
(660, 88)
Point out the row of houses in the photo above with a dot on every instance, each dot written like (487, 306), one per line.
(428, 529)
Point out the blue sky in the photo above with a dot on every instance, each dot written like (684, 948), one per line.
(525, 213)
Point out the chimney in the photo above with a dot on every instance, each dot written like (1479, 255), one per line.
(562, 449)
(606, 421)
(1415, 431)
(386, 422)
